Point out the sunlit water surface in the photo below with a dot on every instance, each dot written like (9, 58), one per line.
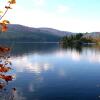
(49, 72)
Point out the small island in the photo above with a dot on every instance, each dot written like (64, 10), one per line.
(80, 39)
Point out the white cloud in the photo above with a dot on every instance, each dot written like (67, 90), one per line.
(39, 2)
(2, 3)
(40, 18)
(62, 9)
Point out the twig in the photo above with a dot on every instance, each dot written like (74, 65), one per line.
(5, 12)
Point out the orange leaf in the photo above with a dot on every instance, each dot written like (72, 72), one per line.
(4, 69)
(4, 28)
(6, 78)
(12, 1)
(5, 22)
(4, 49)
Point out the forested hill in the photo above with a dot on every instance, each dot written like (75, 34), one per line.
(23, 33)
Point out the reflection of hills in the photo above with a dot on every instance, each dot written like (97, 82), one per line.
(24, 48)
(19, 49)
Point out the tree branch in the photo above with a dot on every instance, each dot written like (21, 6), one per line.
(4, 13)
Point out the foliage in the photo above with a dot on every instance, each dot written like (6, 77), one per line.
(5, 63)
(75, 39)
(72, 38)
(3, 23)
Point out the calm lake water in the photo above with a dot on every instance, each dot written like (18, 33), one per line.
(50, 72)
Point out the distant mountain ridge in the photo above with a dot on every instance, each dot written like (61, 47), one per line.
(23, 33)
(92, 35)
(56, 32)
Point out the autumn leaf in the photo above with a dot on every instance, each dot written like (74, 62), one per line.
(6, 78)
(8, 7)
(4, 28)
(5, 69)
(1, 65)
(4, 49)
(12, 1)
(5, 22)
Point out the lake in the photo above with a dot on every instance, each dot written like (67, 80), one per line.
(46, 71)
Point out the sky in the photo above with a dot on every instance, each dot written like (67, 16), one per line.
(66, 15)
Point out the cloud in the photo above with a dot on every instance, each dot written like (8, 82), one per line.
(39, 2)
(62, 9)
(37, 17)
(2, 3)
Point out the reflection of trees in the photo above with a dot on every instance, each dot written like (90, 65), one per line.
(21, 48)
(5, 67)
(77, 47)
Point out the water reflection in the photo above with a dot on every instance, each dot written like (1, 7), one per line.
(14, 95)
(68, 53)
(89, 53)
(26, 63)
(56, 74)
(40, 62)
(5, 67)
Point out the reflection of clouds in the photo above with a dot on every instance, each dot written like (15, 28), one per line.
(37, 67)
(60, 54)
(73, 54)
(87, 54)
(92, 55)
(94, 58)
(46, 66)
(35, 64)
(36, 83)
(62, 72)
(25, 63)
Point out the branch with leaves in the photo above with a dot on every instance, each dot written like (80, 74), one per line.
(3, 24)
(5, 64)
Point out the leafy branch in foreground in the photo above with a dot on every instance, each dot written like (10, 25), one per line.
(3, 23)
(5, 63)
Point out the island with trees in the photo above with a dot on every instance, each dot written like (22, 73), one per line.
(80, 39)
